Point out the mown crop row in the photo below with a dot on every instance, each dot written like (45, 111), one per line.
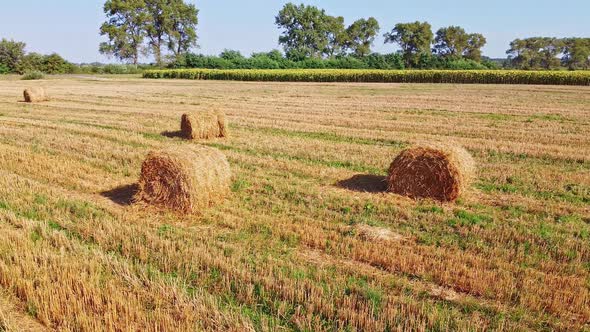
(381, 76)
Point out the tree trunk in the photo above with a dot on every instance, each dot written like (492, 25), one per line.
(158, 51)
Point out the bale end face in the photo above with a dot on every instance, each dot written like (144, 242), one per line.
(186, 179)
(203, 125)
(35, 95)
(440, 173)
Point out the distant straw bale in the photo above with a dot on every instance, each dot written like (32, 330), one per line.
(35, 95)
(186, 179)
(203, 125)
(439, 172)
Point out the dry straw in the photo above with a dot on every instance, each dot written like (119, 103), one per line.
(35, 95)
(439, 172)
(187, 179)
(203, 125)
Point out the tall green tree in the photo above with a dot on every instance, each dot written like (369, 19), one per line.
(125, 29)
(360, 36)
(305, 31)
(450, 42)
(413, 38)
(182, 33)
(576, 53)
(157, 25)
(475, 43)
(11, 53)
(550, 49)
(535, 53)
(335, 34)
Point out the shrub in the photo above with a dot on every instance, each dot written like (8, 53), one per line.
(33, 75)
(4, 69)
(120, 69)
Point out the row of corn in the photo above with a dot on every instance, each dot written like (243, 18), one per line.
(380, 76)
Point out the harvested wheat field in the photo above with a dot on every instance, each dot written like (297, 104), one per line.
(308, 239)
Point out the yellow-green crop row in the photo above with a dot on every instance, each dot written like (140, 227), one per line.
(380, 76)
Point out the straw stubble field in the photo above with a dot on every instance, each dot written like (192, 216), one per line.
(306, 240)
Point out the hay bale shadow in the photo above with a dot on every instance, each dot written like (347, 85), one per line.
(172, 134)
(122, 195)
(365, 183)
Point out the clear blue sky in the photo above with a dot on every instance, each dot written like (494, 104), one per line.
(70, 27)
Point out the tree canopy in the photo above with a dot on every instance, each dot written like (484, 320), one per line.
(360, 36)
(309, 32)
(414, 39)
(545, 52)
(162, 23)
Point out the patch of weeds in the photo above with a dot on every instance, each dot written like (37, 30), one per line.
(430, 209)
(544, 231)
(154, 136)
(496, 116)
(32, 309)
(548, 117)
(369, 209)
(35, 236)
(261, 229)
(32, 213)
(568, 218)
(465, 218)
(514, 211)
(55, 226)
(4, 205)
(583, 234)
(40, 199)
(268, 189)
(298, 274)
(290, 240)
(493, 187)
(165, 230)
(240, 185)
(33, 75)
(228, 252)
(361, 288)
(79, 209)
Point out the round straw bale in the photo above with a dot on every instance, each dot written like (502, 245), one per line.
(203, 125)
(439, 172)
(187, 179)
(35, 95)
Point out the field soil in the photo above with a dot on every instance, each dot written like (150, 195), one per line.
(307, 240)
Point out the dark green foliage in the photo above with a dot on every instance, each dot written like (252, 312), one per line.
(306, 30)
(544, 53)
(275, 60)
(125, 29)
(414, 39)
(309, 32)
(4, 69)
(360, 36)
(11, 53)
(170, 23)
(576, 53)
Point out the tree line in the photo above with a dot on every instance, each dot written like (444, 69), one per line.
(549, 53)
(14, 59)
(309, 32)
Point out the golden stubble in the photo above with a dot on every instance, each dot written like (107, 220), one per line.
(290, 247)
